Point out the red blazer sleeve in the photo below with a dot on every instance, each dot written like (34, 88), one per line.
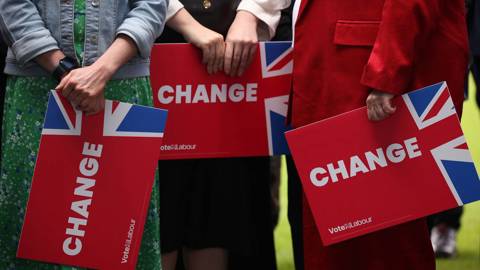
(404, 27)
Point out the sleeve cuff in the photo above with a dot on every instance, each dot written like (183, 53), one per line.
(270, 19)
(173, 7)
(382, 80)
(142, 38)
(33, 45)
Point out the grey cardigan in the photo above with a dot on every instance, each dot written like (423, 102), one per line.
(33, 27)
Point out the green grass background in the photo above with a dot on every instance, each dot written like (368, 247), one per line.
(468, 238)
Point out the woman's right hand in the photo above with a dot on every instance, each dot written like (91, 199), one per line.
(210, 42)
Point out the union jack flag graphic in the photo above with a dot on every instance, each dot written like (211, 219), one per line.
(120, 119)
(91, 186)
(372, 173)
(61, 118)
(232, 116)
(429, 106)
(277, 60)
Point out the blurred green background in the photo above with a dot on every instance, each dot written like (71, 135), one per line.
(468, 257)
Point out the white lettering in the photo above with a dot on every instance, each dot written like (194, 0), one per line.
(90, 149)
(219, 93)
(395, 153)
(88, 166)
(187, 94)
(77, 247)
(164, 90)
(81, 207)
(314, 179)
(378, 159)
(201, 94)
(77, 222)
(213, 93)
(236, 93)
(356, 166)
(340, 170)
(413, 149)
(82, 190)
(251, 92)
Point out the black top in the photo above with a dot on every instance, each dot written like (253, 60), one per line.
(218, 17)
(473, 22)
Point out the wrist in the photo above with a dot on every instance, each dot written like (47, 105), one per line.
(105, 69)
(64, 66)
(183, 22)
(50, 60)
(247, 17)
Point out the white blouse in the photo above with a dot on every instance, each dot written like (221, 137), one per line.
(267, 11)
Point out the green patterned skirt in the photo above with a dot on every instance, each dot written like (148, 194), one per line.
(24, 111)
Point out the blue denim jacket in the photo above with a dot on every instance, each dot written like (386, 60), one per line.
(33, 27)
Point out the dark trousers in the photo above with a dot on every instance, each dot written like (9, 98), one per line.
(451, 218)
(295, 212)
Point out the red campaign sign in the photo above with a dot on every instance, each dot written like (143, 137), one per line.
(91, 186)
(360, 176)
(217, 115)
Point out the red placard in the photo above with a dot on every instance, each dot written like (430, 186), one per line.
(217, 115)
(91, 186)
(361, 176)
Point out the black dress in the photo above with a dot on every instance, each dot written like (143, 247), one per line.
(224, 203)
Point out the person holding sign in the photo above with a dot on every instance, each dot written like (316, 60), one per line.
(367, 52)
(86, 50)
(207, 210)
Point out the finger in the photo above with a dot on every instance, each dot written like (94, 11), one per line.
(376, 113)
(212, 59)
(67, 89)
(253, 51)
(381, 113)
(86, 105)
(237, 57)
(227, 63)
(98, 106)
(79, 98)
(73, 96)
(370, 114)
(244, 60)
(388, 106)
(206, 54)
(63, 82)
(219, 56)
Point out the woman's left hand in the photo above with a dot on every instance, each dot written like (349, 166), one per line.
(379, 105)
(84, 88)
(241, 43)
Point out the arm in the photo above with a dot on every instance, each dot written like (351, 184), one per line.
(144, 23)
(84, 86)
(211, 43)
(24, 31)
(267, 11)
(242, 37)
(404, 27)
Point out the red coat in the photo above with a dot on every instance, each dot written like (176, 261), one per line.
(345, 48)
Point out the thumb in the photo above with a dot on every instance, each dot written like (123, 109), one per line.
(388, 106)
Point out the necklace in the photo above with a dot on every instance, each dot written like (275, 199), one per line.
(207, 4)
